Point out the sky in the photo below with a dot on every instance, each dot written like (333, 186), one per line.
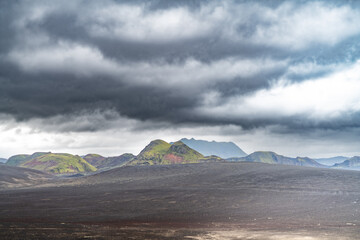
(109, 76)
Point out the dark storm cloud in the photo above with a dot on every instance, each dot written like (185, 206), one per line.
(171, 61)
(46, 95)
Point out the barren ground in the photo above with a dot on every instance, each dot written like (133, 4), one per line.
(194, 201)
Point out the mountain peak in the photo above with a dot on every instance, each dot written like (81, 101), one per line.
(153, 147)
(157, 141)
(161, 152)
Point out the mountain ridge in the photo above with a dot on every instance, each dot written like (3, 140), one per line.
(58, 163)
(157, 152)
(331, 160)
(220, 149)
(274, 158)
(101, 162)
(351, 163)
(18, 159)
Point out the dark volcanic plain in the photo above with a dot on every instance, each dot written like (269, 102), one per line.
(193, 201)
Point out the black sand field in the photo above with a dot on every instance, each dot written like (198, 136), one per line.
(194, 201)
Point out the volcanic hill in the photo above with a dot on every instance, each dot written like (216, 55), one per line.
(161, 152)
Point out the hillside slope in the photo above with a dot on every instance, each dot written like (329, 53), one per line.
(20, 177)
(18, 159)
(58, 163)
(273, 158)
(221, 149)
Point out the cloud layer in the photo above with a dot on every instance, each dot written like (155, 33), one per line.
(281, 68)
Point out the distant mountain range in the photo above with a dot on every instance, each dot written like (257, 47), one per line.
(159, 152)
(331, 161)
(352, 163)
(55, 163)
(220, 149)
(273, 158)
(64, 163)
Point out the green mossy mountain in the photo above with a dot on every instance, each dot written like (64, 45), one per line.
(273, 158)
(17, 160)
(353, 162)
(161, 152)
(59, 163)
(154, 151)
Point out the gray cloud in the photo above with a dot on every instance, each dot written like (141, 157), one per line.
(212, 63)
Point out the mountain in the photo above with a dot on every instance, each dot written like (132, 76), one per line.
(94, 159)
(154, 151)
(19, 177)
(161, 152)
(111, 162)
(101, 162)
(331, 161)
(221, 149)
(273, 158)
(17, 160)
(352, 163)
(3, 160)
(58, 163)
